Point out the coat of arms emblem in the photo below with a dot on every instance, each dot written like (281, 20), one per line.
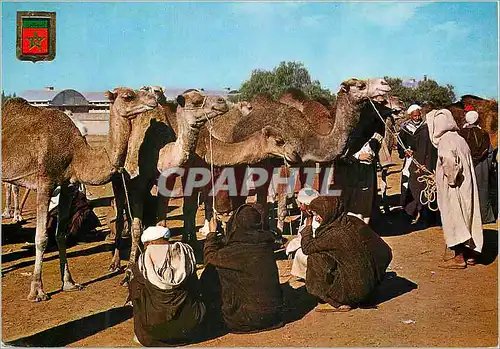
(36, 36)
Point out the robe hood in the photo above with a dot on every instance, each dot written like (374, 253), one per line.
(439, 122)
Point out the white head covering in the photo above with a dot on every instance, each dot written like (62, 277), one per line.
(412, 108)
(439, 122)
(306, 195)
(155, 233)
(471, 117)
(168, 265)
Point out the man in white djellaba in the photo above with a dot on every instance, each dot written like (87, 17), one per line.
(457, 193)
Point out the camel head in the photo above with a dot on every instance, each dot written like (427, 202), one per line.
(360, 90)
(276, 145)
(158, 91)
(127, 103)
(295, 98)
(198, 108)
(244, 107)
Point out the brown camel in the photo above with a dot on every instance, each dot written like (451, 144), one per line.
(153, 145)
(263, 144)
(309, 145)
(42, 148)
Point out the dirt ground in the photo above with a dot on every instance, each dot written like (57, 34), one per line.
(418, 304)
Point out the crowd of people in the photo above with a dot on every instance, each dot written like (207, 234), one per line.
(338, 256)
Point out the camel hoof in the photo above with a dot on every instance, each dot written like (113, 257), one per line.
(38, 297)
(6, 215)
(126, 279)
(114, 267)
(72, 287)
(17, 218)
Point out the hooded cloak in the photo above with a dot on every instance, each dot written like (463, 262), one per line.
(250, 293)
(346, 259)
(457, 193)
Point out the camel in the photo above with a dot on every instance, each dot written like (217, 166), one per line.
(263, 144)
(155, 145)
(303, 143)
(42, 148)
(13, 190)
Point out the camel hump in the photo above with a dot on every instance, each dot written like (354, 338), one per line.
(295, 93)
(15, 101)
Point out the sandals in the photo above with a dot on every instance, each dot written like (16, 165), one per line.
(453, 263)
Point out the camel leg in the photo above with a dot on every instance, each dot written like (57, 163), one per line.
(6, 211)
(208, 211)
(119, 207)
(17, 212)
(43, 194)
(63, 217)
(136, 198)
(23, 200)
(384, 190)
(282, 213)
(189, 208)
(162, 209)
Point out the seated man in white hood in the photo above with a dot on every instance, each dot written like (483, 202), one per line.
(165, 291)
(299, 266)
(457, 194)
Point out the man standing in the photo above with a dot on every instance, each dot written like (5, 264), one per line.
(356, 172)
(415, 136)
(478, 141)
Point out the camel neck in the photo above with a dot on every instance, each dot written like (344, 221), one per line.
(118, 136)
(187, 135)
(347, 113)
(249, 151)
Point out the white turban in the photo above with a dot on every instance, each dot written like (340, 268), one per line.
(412, 108)
(471, 117)
(306, 195)
(155, 233)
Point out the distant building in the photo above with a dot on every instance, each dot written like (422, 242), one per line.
(77, 102)
(91, 108)
(92, 102)
(413, 83)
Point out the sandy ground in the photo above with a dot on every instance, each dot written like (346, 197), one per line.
(418, 304)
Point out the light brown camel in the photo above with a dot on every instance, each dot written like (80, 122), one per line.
(155, 144)
(309, 145)
(263, 144)
(42, 148)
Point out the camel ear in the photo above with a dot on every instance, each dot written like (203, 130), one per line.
(111, 95)
(268, 131)
(344, 87)
(181, 100)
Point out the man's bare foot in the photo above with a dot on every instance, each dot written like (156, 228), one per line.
(327, 308)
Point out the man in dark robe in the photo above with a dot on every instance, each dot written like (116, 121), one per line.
(346, 259)
(415, 136)
(165, 292)
(241, 277)
(356, 172)
(479, 143)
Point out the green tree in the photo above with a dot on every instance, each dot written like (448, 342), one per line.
(282, 77)
(427, 91)
(6, 97)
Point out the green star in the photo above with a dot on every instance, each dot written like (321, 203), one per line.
(35, 41)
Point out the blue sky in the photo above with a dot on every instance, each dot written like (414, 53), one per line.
(216, 45)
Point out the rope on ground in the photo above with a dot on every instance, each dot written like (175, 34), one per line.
(428, 196)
